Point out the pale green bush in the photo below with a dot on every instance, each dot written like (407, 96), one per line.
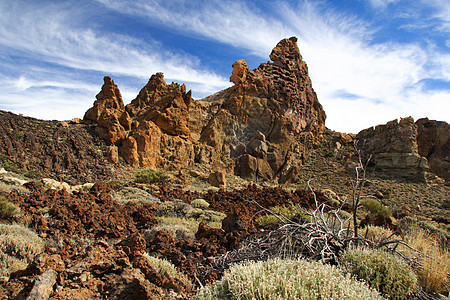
(199, 203)
(286, 212)
(166, 269)
(149, 176)
(377, 233)
(134, 195)
(375, 207)
(18, 247)
(286, 279)
(381, 270)
(178, 209)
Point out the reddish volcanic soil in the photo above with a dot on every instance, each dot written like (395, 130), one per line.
(96, 245)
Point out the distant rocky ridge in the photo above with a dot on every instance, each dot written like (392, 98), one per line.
(261, 128)
(409, 148)
(63, 151)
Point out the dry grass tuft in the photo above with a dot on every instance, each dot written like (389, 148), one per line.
(432, 265)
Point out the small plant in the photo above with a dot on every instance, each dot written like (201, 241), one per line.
(8, 164)
(286, 279)
(33, 174)
(178, 231)
(199, 203)
(18, 247)
(382, 271)
(285, 212)
(149, 176)
(134, 195)
(377, 234)
(8, 209)
(375, 207)
(166, 269)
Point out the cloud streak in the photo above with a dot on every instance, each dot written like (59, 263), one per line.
(47, 36)
(356, 76)
(339, 49)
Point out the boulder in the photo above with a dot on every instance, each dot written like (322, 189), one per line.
(217, 179)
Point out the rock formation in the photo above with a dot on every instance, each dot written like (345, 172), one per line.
(433, 140)
(109, 113)
(409, 148)
(261, 128)
(394, 147)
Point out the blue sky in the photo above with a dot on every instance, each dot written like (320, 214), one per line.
(370, 61)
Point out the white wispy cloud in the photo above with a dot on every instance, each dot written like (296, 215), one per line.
(381, 3)
(48, 35)
(359, 82)
(237, 23)
(337, 47)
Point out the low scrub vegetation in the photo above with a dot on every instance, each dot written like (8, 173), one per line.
(286, 279)
(149, 176)
(377, 234)
(166, 269)
(180, 229)
(199, 203)
(382, 271)
(134, 195)
(432, 263)
(181, 220)
(8, 209)
(374, 207)
(285, 212)
(18, 247)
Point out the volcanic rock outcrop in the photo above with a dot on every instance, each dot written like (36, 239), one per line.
(261, 128)
(409, 148)
(433, 140)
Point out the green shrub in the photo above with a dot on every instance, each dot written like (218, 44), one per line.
(149, 176)
(134, 195)
(180, 209)
(166, 269)
(382, 271)
(18, 247)
(375, 207)
(199, 203)
(286, 279)
(33, 174)
(285, 211)
(8, 209)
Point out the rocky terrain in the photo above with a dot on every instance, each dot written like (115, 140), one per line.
(98, 208)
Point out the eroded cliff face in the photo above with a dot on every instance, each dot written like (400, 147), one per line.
(261, 128)
(409, 148)
(433, 140)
